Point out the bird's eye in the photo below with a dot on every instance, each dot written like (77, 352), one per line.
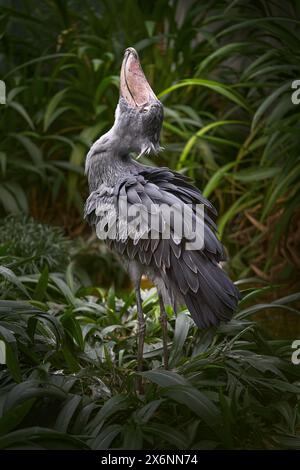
(145, 109)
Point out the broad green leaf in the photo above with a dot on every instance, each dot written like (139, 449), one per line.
(257, 174)
(66, 414)
(33, 150)
(182, 326)
(10, 276)
(217, 87)
(41, 287)
(106, 437)
(12, 359)
(52, 112)
(165, 378)
(14, 416)
(22, 111)
(167, 434)
(217, 178)
(197, 402)
(27, 435)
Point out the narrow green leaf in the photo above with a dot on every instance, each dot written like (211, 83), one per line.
(41, 287)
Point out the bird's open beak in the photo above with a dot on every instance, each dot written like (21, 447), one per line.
(134, 87)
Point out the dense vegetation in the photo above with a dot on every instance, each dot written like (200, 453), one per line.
(224, 72)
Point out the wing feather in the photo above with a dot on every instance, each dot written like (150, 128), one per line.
(194, 275)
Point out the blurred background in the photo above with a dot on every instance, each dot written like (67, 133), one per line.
(223, 71)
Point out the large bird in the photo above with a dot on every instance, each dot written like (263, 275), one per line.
(123, 191)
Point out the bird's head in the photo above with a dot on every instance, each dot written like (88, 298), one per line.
(138, 118)
(139, 114)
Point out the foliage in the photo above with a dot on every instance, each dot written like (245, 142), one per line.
(71, 380)
(34, 244)
(28, 246)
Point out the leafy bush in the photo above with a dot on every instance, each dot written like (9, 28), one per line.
(70, 374)
(32, 245)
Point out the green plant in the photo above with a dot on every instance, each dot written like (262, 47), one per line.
(30, 246)
(70, 374)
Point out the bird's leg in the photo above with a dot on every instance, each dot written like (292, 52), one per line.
(141, 334)
(164, 325)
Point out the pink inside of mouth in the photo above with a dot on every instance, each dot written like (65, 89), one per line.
(134, 86)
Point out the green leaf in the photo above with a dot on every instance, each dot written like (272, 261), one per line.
(110, 407)
(219, 53)
(150, 27)
(64, 289)
(167, 434)
(43, 58)
(165, 378)
(22, 111)
(12, 360)
(51, 110)
(144, 414)
(265, 306)
(267, 103)
(33, 150)
(197, 402)
(11, 277)
(8, 201)
(27, 435)
(74, 329)
(216, 178)
(18, 194)
(3, 163)
(256, 174)
(66, 414)
(217, 87)
(239, 205)
(106, 437)
(14, 416)
(201, 133)
(182, 326)
(41, 287)
(280, 187)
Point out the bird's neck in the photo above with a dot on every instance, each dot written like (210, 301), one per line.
(107, 162)
(106, 168)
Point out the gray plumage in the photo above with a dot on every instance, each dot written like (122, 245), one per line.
(191, 277)
(183, 277)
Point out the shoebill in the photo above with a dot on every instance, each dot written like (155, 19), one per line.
(154, 247)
